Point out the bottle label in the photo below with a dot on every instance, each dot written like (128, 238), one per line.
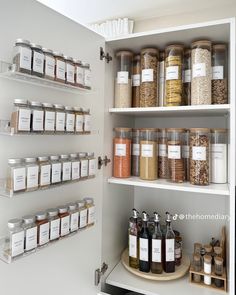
(45, 175)
(74, 221)
(218, 73)
(187, 76)
(218, 151)
(49, 121)
(38, 62)
(185, 151)
(136, 80)
(199, 153)
(17, 243)
(60, 121)
(56, 172)
(162, 150)
(172, 73)
(70, 73)
(80, 75)
(87, 123)
(174, 152)
(49, 66)
(44, 233)
(38, 117)
(170, 250)
(136, 149)
(122, 77)
(133, 246)
(87, 77)
(24, 120)
(60, 72)
(147, 75)
(147, 150)
(70, 122)
(25, 58)
(75, 168)
(91, 215)
(66, 171)
(156, 250)
(79, 123)
(19, 176)
(31, 238)
(32, 176)
(143, 246)
(55, 229)
(92, 167)
(83, 218)
(84, 168)
(120, 149)
(65, 225)
(199, 70)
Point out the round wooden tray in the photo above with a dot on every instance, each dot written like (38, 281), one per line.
(180, 271)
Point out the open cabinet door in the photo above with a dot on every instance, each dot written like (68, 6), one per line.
(68, 266)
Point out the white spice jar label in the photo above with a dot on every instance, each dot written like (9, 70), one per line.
(24, 120)
(199, 70)
(56, 172)
(174, 152)
(65, 225)
(74, 221)
(49, 66)
(66, 171)
(92, 167)
(80, 75)
(218, 151)
(55, 229)
(31, 238)
(133, 246)
(83, 218)
(32, 177)
(45, 175)
(60, 121)
(75, 170)
(218, 73)
(49, 121)
(44, 233)
(25, 58)
(87, 78)
(185, 151)
(87, 123)
(19, 177)
(156, 250)
(91, 215)
(147, 150)
(122, 77)
(143, 249)
(79, 123)
(136, 149)
(84, 168)
(207, 268)
(199, 153)
(147, 75)
(60, 72)
(17, 243)
(70, 73)
(172, 73)
(136, 80)
(170, 250)
(38, 62)
(38, 117)
(162, 150)
(187, 76)
(120, 149)
(70, 122)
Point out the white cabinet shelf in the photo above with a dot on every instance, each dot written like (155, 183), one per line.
(213, 189)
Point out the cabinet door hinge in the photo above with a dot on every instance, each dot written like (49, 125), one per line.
(99, 273)
(105, 56)
(104, 161)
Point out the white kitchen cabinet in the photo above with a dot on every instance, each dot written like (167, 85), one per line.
(69, 266)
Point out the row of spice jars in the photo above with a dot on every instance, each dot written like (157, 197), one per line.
(34, 231)
(198, 155)
(174, 77)
(47, 118)
(36, 60)
(30, 174)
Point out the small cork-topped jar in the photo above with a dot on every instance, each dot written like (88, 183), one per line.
(219, 270)
(197, 267)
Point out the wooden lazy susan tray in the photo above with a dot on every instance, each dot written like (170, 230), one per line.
(180, 271)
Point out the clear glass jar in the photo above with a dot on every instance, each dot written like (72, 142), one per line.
(149, 87)
(79, 120)
(175, 159)
(122, 152)
(89, 204)
(207, 269)
(15, 237)
(91, 165)
(162, 79)
(208, 249)
(43, 228)
(123, 84)
(135, 156)
(16, 176)
(30, 228)
(219, 74)
(60, 67)
(49, 118)
(201, 72)
(83, 214)
(74, 217)
(197, 248)
(49, 64)
(173, 79)
(37, 117)
(197, 267)
(37, 60)
(87, 121)
(66, 168)
(22, 56)
(136, 81)
(148, 154)
(87, 76)
(70, 70)
(219, 271)
(64, 220)
(79, 73)
(75, 167)
(162, 154)
(83, 165)
(44, 172)
(199, 156)
(185, 154)
(70, 119)
(218, 155)
(218, 251)
(54, 224)
(20, 117)
(32, 174)
(60, 118)
(56, 169)
(187, 77)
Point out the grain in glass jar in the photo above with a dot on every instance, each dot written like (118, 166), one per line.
(185, 154)
(87, 121)
(136, 79)
(60, 118)
(135, 156)
(162, 79)
(75, 167)
(44, 172)
(201, 73)
(187, 76)
(89, 204)
(74, 217)
(70, 119)
(83, 165)
(30, 228)
(15, 237)
(83, 214)
(49, 64)
(149, 88)
(79, 73)
(43, 228)
(79, 120)
(199, 155)
(60, 67)
(22, 56)
(49, 118)
(87, 76)
(148, 154)
(122, 152)
(66, 168)
(219, 271)
(64, 215)
(16, 176)
(56, 169)
(162, 154)
(20, 117)
(91, 165)
(173, 78)
(219, 74)
(32, 174)
(37, 60)
(70, 70)
(37, 117)
(54, 224)
(123, 84)
(175, 159)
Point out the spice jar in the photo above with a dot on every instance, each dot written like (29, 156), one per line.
(32, 174)
(87, 76)
(122, 152)
(15, 237)
(197, 267)
(218, 251)
(60, 67)
(43, 228)
(219, 270)
(89, 204)
(199, 156)
(70, 119)
(44, 172)
(219, 74)
(83, 165)
(218, 155)
(162, 79)
(91, 165)
(148, 154)
(16, 176)
(197, 248)
(136, 79)
(135, 157)
(49, 64)
(83, 214)
(75, 167)
(175, 159)
(187, 77)
(30, 229)
(173, 70)
(207, 269)
(162, 154)
(149, 90)
(49, 118)
(64, 220)
(123, 89)
(185, 154)
(60, 118)
(69, 70)
(20, 117)
(22, 56)
(74, 217)
(178, 250)
(37, 117)
(201, 73)
(56, 170)
(79, 120)
(37, 60)
(66, 168)
(87, 121)
(79, 73)
(208, 249)
(54, 224)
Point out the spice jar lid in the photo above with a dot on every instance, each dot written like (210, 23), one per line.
(201, 42)
(122, 129)
(82, 154)
(59, 106)
(80, 203)
(219, 130)
(137, 57)
(30, 160)
(69, 58)
(88, 200)
(150, 50)
(77, 61)
(77, 109)
(64, 157)
(219, 260)
(46, 50)
(69, 108)
(58, 54)
(73, 156)
(52, 212)
(207, 258)
(54, 158)
(21, 101)
(35, 104)
(28, 219)
(196, 257)
(175, 130)
(71, 206)
(41, 215)
(90, 154)
(15, 161)
(47, 105)
(13, 223)
(43, 159)
(22, 41)
(219, 46)
(199, 130)
(124, 52)
(62, 209)
(174, 46)
(35, 46)
(208, 248)
(218, 250)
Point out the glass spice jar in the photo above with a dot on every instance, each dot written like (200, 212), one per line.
(70, 119)
(49, 64)
(22, 56)
(136, 79)
(173, 78)
(135, 156)
(37, 117)
(60, 118)
(74, 217)
(187, 77)
(89, 204)
(79, 120)
(37, 60)
(44, 172)
(122, 152)
(83, 165)
(149, 88)
(66, 168)
(64, 220)
(91, 165)
(178, 250)
(43, 228)
(218, 251)
(162, 154)
(15, 237)
(60, 67)
(30, 229)
(162, 79)
(197, 248)
(79, 73)
(32, 174)
(49, 118)
(56, 169)
(16, 176)
(54, 224)
(69, 70)
(83, 214)
(219, 271)
(21, 117)
(207, 269)
(75, 167)
(197, 267)
(87, 121)
(87, 76)
(185, 154)
(199, 156)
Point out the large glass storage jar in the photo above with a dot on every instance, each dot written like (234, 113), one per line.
(75, 167)
(60, 67)
(148, 154)
(199, 155)
(56, 170)
(136, 79)
(185, 154)
(79, 120)
(175, 159)
(15, 237)
(70, 119)
(20, 117)
(83, 165)
(49, 118)
(16, 176)
(187, 77)
(70, 70)
(87, 76)
(49, 64)
(43, 228)
(64, 220)
(162, 154)
(173, 78)
(66, 168)
(37, 117)
(44, 172)
(74, 217)
(87, 121)
(83, 214)
(89, 204)
(79, 73)
(30, 229)
(22, 56)
(218, 155)
(201, 73)
(54, 224)
(91, 165)
(135, 153)
(122, 152)
(162, 79)
(60, 118)
(32, 174)
(149, 77)
(219, 74)
(123, 87)
(37, 60)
